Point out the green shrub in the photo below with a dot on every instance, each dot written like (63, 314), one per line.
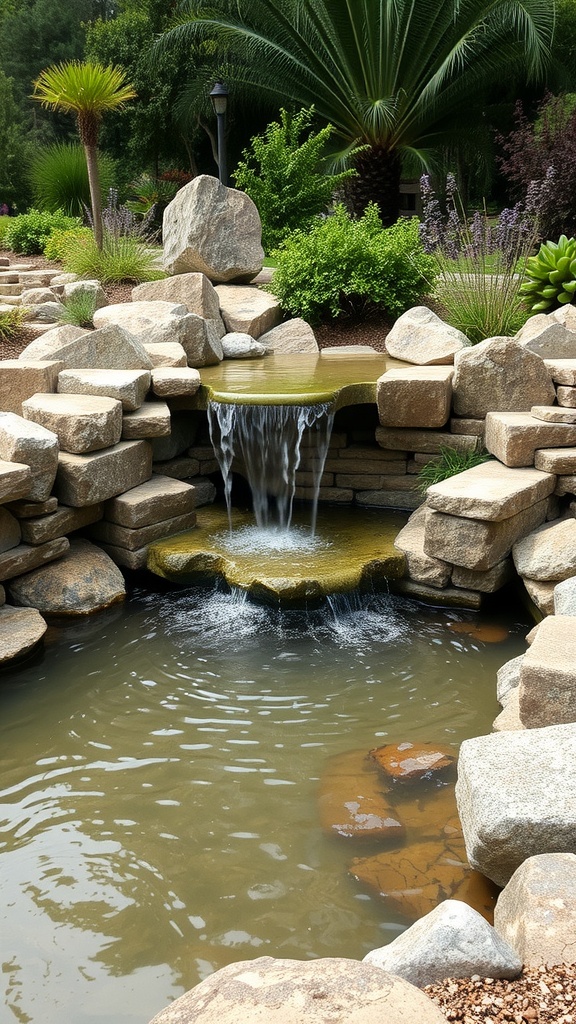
(351, 266)
(11, 320)
(78, 309)
(551, 276)
(59, 178)
(29, 232)
(4, 225)
(282, 175)
(120, 259)
(449, 463)
(60, 241)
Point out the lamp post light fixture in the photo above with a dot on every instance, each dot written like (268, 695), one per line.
(219, 97)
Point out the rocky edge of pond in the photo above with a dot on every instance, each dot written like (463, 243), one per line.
(82, 411)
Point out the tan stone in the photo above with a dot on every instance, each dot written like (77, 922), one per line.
(151, 420)
(20, 379)
(562, 371)
(487, 581)
(420, 336)
(565, 485)
(561, 461)
(15, 480)
(59, 523)
(134, 560)
(421, 567)
(418, 396)
(549, 552)
(10, 532)
(292, 336)
(165, 322)
(547, 337)
(107, 348)
(499, 374)
(31, 509)
(352, 800)
(477, 543)
(83, 581)
(132, 539)
(193, 290)
(24, 558)
(536, 911)
(377, 482)
(566, 397)
(21, 629)
(490, 491)
(182, 468)
(89, 479)
(268, 991)
(553, 414)
(514, 437)
(428, 442)
(509, 718)
(465, 425)
(129, 387)
(547, 690)
(34, 446)
(175, 380)
(248, 309)
(414, 762)
(156, 499)
(542, 594)
(448, 597)
(83, 423)
(169, 353)
(406, 500)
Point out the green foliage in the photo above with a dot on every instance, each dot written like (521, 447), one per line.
(11, 320)
(59, 178)
(78, 309)
(343, 265)
(29, 232)
(150, 192)
(61, 240)
(4, 225)
(121, 258)
(281, 174)
(550, 276)
(14, 148)
(449, 463)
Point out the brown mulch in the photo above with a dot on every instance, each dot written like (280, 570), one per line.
(541, 995)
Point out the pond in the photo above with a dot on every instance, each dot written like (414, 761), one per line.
(160, 767)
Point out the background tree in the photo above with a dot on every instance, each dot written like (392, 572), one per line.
(400, 79)
(14, 149)
(88, 91)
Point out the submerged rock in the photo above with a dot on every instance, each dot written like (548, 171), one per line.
(83, 580)
(413, 762)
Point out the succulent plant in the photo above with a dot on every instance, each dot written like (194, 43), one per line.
(551, 276)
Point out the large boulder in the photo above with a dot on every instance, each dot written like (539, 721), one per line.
(499, 374)
(157, 322)
(420, 336)
(83, 580)
(269, 991)
(194, 291)
(548, 337)
(292, 336)
(32, 445)
(21, 629)
(452, 941)
(548, 553)
(212, 230)
(248, 309)
(536, 912)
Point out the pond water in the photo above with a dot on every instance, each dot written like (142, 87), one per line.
(160, 764)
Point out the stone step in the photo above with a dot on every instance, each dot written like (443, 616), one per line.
(82, 423)
(11, 300)
(10, 288)
(514, 437)
(491, 491)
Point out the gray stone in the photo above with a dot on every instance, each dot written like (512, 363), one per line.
(418, 396)
(15, 480)
(449, 597)
(248, 310)
(10, 532)
(89, 479)
(536, 911)
(204, 492)
(296, 991)
(151, 420)
(565, 485)
(516, 797)
(158, 322)
(452, 941)
(547, 688)
(84, 580)
(212, 230)
(31, 509)
(129, 387)
(21, 629)
(487, 581)
(477, 544)
(46, 312)
(291, 337)
(420, 336)
(36, 296)
(548, 553)
(134, 560)
(157, 499)
(237, 345)
(179, 469)
(25, 557)
(33, 445)
(427, 442)
(82, 423)
(544, 335)
(173, 381)
(490, 491)
(183, 431)
(20, 379)
(565, 597)
(421, 567)
(59, 523)
(508, 679)
(499, 374)
(68, 344)
(133, 539)
(94, 289)
(107, 348)
(407, 501)
(514, 437)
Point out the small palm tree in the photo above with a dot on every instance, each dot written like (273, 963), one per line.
(87, 90)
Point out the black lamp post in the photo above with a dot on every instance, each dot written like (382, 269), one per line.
(219, 97)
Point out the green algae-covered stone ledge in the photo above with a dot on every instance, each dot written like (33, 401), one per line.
(299, 379)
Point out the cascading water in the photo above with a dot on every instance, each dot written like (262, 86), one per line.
(268, 441)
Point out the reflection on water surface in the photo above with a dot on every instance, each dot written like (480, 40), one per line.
(160, 765)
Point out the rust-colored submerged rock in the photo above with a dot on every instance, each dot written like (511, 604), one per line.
(413, 762)
(352, 800)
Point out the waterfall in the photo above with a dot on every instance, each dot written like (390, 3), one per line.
(268, 441)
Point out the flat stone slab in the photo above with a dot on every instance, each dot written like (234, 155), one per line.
(31, 509)
(547, 690)
(514, 437)
(478, 544)
(21, 629)
(553, 414)
(490, 491)
(421, 567)
(134, 539)
(536, 912)
(83, 581)
(32, 445)
(97, 476)
(516, 795)
(15, 480)
(418, 396)
(548, 553)
(82, 423)
(566, 397)
(561, 461)
(20, 379)
(447, 597)
(129, 387)
(59, 523)
(562, 371)
(159, 498)
(425, 441)
(108, 348)
(26, 557)
(487, 581)
(152, 419)
(169, 353)
(175, 381)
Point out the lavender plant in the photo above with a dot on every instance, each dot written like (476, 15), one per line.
(118, 221)
(478, 261)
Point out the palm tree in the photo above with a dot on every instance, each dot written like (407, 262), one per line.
(88, 91)
(395, 77)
